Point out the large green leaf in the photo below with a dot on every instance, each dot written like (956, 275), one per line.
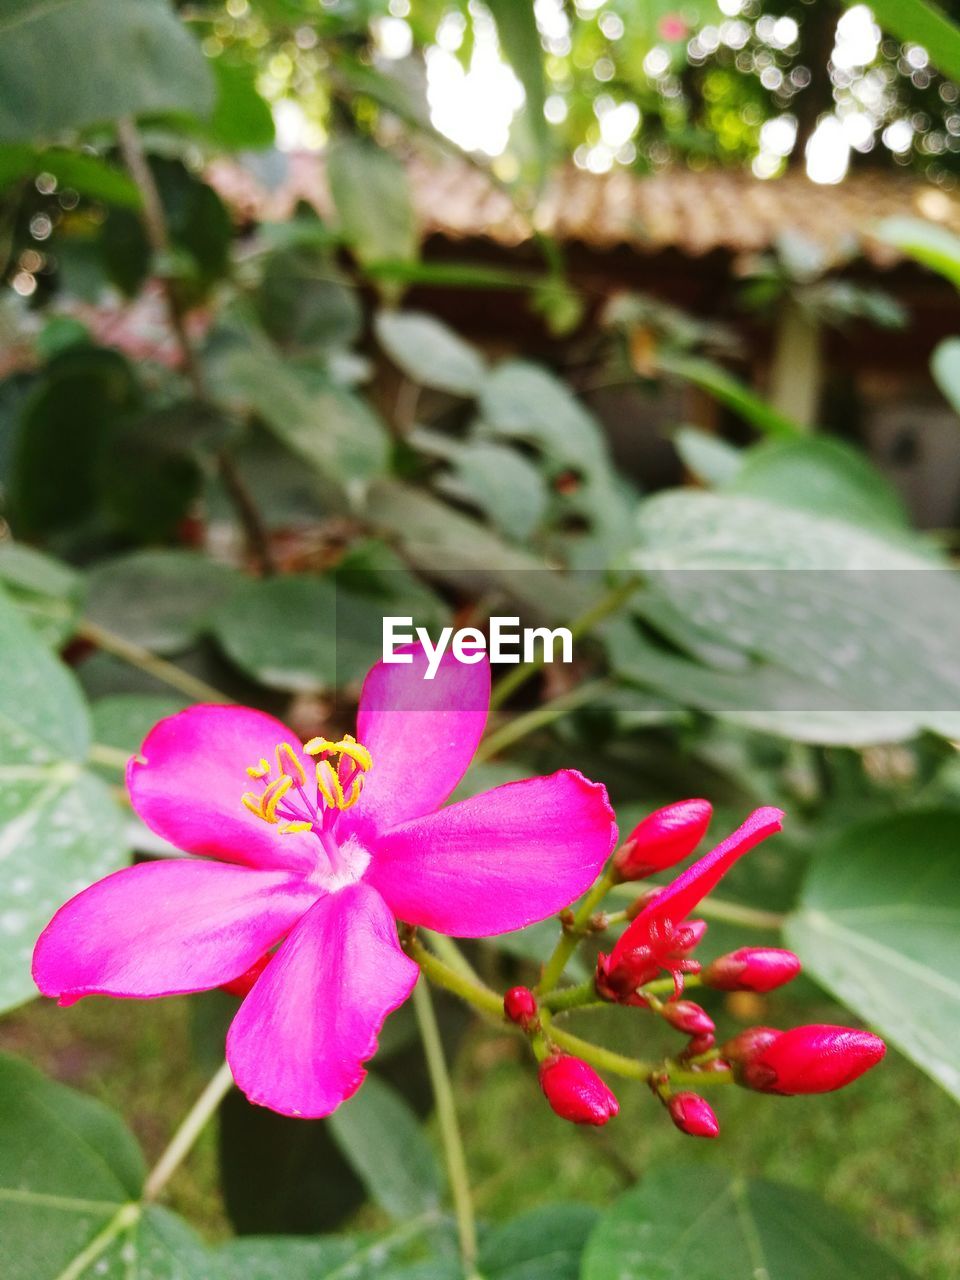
(917, 22)
(87, 174)
(61, 72)
(930, 244)
(945, 367)
(723, 386)
(382, 1139)
(59, 828)
(71, 1174)
(371, 192)
(860, 626)
(429, 353)
(45, 590)
(282, 631)
(699, 1223)
(879, 926)
(544, 1244)
(161, 600)
(520, 42)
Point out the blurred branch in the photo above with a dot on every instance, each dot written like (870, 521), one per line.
(148, 662)
(158, 237)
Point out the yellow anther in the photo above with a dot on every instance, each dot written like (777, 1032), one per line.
(316, 745)
(347, 746)
(354, 796)
(329, 786)
(292, 827)
(272, 796)
(288, 763)
(252, 802)
(260, 770)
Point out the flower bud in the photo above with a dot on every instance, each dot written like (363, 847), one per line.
(699, 1044)
(693, 1115)
(663, 838)
(243, 985)
(618, 977)
(575, 1091)
(688, 1017)
(520, 1006)
(745, 1047)
(815, 1059)
(758, 969)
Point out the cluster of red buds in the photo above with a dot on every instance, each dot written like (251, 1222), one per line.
(660, 940)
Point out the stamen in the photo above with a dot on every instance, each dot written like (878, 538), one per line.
(293, 827)
(260, 770)
(272, 796)
(339, 778)
(287, 760)
(328, 784)
(252, 802)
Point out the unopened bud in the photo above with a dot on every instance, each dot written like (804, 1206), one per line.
(244, 984)
(699, 1044)
(693, 1115)
(575, 1091)
(663, 838)
(814, 1059)
(520, 1006)
(744, 1047)
(687, 1016)
(758, 969)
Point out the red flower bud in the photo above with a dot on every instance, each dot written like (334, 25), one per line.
(759, 969)
(693, 1115)
(699, 1044)
(663, 839)
(575, 1091)
(815, 1059)
(241, 986)
(745, 1046)
(688, 1017)
(520, 1006)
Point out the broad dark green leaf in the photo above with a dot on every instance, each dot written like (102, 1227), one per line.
(879, 926)
(60, 74)
(699, 1223)
(823, 476)
(73, 170)
(330, 1258)
(241, 118)
(723, 386)
(161, 600)
(371, 192)
(382, 1139)
(429, 353)
(495, 478)
(543, 1244)
(282, 631)
(520, 42)
(304, 302)
(934, 246)
(917, 22)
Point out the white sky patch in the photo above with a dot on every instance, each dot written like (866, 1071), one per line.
(828, 152)
(473, 107)
(858, 39)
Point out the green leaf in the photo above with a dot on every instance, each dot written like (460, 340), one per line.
(862, 633)
(241, 119)
(282, 631)
(60, 73)
(823, 476)
(123, 720)
(712, 460)
(371, 192)
(87, 174)
(723, 386)
(429, 353)
(879, 926)
(520, 42)
(330, 1258)
(382, 1138)
(304, 302)
(932, 245)
(161, 600)
(917, 22)
(945, 367)
(543, 1244)
(699, 1223)
(47, 592)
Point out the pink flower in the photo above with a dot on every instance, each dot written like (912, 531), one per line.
(657, 938)
(663, 839)
(693, 1115)
(316, 853)
(672, 27)
(575, 1091)
(815, 1059)
(759, 969)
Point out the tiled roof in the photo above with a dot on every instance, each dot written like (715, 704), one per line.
(692, 212)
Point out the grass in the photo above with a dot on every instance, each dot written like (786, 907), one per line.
(884, 1150)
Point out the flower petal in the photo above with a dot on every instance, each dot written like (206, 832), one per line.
(421, 733)
(500, 860)
(187, 782)
(299, 1040)
(164, 928)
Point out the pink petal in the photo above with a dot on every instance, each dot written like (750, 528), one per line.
(163, 928)
(299, 1040)
(421, 733)
(187, 782)
(500, 860)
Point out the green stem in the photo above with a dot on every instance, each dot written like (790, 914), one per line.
(186, 1135)
(471, 990)
(507, 734)
(451, 955)
(698, 1079)
(126, 1216)
(606, 1059)
(570, 938)
(581, 625)
(572, 997)
(449, 1128)
(112, 757)
(667, 984)
(136, 656)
